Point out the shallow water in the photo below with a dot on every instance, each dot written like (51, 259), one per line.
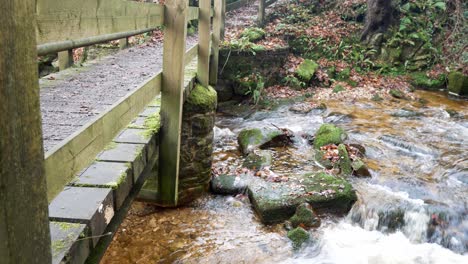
(414, 209)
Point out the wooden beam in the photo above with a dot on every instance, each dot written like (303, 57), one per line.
(175, 18)
(223, 19)
(65, 59)
(123, 43)
(24, 224)
(217, 20)
(203, 71)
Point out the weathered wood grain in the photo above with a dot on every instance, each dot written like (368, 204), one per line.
(216, 39)
(203, 71)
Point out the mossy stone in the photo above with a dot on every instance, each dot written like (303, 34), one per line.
(305, 217)
(306, 70)
(201, 99)
(344, 162)
(253, 34)
(228, 184)
(360, 169)
(248, 139)
(258, 160)
(298, 237)
(458, 83)
(396, 94)
(421, 80)
(329, 134)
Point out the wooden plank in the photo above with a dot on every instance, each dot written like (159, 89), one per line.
(193, 13)
(79, 150)
(71, 19)
(175, 17)
(123, 43)
(203, 70)
(217, 20)
(236, 5)
(191, 54)
(24, 224)
(261, 12)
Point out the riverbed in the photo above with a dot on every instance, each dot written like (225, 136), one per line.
(414, 208)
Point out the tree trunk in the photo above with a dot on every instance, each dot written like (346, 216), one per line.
(378, 18)
(24, 224)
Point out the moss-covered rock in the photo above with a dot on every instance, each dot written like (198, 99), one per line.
(253, 34)
(360, 169)
(344, 162)
(248, 139)
(397, 94)
(229, 184)
(201, 99)
(329, 134)
(305, 217)
(421, 80)
(257, 160)
(306, 70)
(276, 202)
(458, 83)
(298, 237)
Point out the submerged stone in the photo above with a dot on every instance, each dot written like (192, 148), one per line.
(406, 113)
(305, 217)
(360, 169)
(306, 70)
(298, 237)
(329, 134)
(458, 83)
(229, 184)
(276, 202)
(258, 160)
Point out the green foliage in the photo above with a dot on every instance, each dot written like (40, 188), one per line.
(338, 89)
(298, 237)
(421, 80)
(254, 85)
(253, 34)
(294, 82)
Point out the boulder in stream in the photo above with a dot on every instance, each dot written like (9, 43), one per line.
(329, 134)
(298, 237)
(344, 162)
(458, 83)
(276, 202)
(249, 139)
(257, 160)
(229, 184)
(305, 217)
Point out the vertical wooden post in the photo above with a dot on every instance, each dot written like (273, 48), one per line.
(175, 19)
(223, 18)
(203, 72)
(24, 224)
(218, 9)
(261, 12)
(65, 59)
(123, 43)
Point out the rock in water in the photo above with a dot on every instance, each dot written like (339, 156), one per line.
(229, 184)
(257, 160)
(329, 134)
(360, 169)
(305, 216)
(298, 237)
(344, 162)
(249, 139)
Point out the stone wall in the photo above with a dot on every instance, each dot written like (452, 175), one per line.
(196, 143)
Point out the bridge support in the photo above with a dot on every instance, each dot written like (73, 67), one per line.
(24, 224)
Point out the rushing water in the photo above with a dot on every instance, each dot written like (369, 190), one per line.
(414, 208)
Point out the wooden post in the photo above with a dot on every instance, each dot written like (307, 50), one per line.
(175, 19)
(65, 59)
(203, 72)
(217, 19)
(223, 18)
(261, 12)
(123, 43)
(24, 224)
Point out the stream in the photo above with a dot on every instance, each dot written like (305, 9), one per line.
(414, 208)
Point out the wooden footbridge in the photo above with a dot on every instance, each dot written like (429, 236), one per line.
(64, 206)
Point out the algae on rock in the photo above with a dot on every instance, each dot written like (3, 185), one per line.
(298, 237)
(306, 70)
(329, 134)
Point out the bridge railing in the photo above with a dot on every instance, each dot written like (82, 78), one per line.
(68, 24)
(262, 5)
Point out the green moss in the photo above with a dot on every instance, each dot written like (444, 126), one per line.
(152, 125)
(344, 74)
(421, 80)
(253, 34)
(201, 99)
(329, 134)
(338, 89)
(111, 145)
(344, 162)
(294, 82)
(66, 226)
(249, 137)
(304, 216)
(458, 83)
(298, 237)
(57, 247)
(396, 94)
(306, 70)
(360, 169)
